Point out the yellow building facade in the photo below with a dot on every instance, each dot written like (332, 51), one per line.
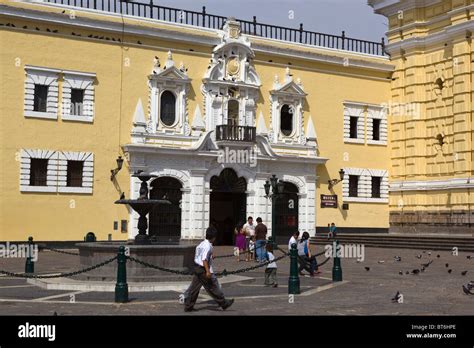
(212, 112)
(432, 135)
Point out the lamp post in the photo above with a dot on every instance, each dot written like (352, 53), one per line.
(113, 172)
(334, 182)
(276, 186)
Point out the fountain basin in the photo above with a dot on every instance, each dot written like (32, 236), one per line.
(179, 257)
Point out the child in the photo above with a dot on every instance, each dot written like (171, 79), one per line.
(271, 270)
(251, 250)
(204, 275)
(239, 241)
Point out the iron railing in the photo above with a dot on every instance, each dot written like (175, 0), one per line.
(235, 133)
(203, 19)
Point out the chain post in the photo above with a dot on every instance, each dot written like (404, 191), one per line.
(336, 269)
(121, 287)
(30, 265)
(293, 280)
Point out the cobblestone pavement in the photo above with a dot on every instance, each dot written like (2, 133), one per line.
(363, 292)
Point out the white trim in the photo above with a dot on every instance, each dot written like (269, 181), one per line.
(354, 110)
(75, 189)
(432, 185)
(38, 114)
(45, 77)
(365, 185)
(87, 175)
(82, 81)
(25, 170)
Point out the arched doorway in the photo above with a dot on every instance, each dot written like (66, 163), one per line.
(165, 220)
(228, 204)
(287, 213)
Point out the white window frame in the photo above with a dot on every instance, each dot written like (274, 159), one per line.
(78, 80)
(41, 76)
(354, 110)
(364, 187)
(87, 172)
(25, 170)
(377, 112)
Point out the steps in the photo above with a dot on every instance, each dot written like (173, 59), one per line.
(422, 242)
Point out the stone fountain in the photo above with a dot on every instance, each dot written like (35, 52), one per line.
(179, 256)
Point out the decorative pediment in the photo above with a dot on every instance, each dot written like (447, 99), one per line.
(169, 71)
(289, 86)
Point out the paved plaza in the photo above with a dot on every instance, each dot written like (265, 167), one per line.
(362, 292)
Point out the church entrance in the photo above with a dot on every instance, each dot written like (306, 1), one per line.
(228, 202)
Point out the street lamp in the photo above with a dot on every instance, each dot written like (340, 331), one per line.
(116, 170)
(334, 182)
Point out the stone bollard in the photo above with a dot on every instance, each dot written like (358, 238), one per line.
(30, 265)
(121, 287)
(293, 280)
(336, 269)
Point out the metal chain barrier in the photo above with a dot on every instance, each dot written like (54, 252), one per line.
(240, 253)
(61, 275)
(149, 265)
(58, 251)
(243, 270)
(319, 254)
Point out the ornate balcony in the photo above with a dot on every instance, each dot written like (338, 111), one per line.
(235, 133)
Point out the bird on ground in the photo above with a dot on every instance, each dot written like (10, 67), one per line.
(25, 27)
(139, 42)
(55, 30)
(401, 272)
(419, 256)
(396, 298)
(37, 28)
(463, 273)
(466, 290)
(468, 257)
(407, 272)
(449, 271)
(425, 265)
(90, 35)
(438, 256)
(415, 271)
(48, 30)
(447, 265)
(367, 268)
(55, 314)
(381, 261)
(398, 258)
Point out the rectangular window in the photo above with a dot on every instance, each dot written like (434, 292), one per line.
(376, 129)
(40, 98)
(77, 101)
(38, 172)
(376, 182)
(353, 185)
(74, 173)
(353, 127)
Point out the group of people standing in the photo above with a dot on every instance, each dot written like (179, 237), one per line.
(250, 239)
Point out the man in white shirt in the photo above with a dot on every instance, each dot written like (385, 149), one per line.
(249, 229)
(293, 240)
(204, 275)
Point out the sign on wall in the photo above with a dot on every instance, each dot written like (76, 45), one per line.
(328, 201)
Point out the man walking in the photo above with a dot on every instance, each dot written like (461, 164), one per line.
(204, 275)
(261, 237)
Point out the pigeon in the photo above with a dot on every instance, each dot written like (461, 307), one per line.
(25, 27)
(139, 42)
(419, 256)
(191, 50)
(55, 314)
(37, 28)
(438, 256)
(396, 298)
(381, 261)
(55, 30)
(407, 272)
(447, 265)
(270, 61)
(64, 11)
(429, 253)
(449, 271)
(398, 258)
(90, 35)
(415, 271)
(463, 273)
(401, 272)
(466, 290)
(47, 29)
(468, 257)
(367, 268)
(425, 265)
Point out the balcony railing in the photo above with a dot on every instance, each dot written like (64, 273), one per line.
(235, 133)
(203, 19)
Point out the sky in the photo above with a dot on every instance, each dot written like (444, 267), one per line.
(326, 16)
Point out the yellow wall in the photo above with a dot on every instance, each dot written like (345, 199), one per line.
(121, 72)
